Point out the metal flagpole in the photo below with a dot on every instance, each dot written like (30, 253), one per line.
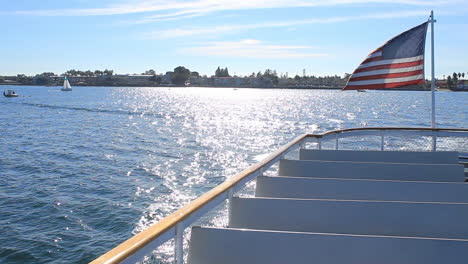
(433, 84)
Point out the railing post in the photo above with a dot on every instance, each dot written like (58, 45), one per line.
(230, 195)
(382, 142)
(336, 141)
(434, 141)
(303, 144)
(179, 244)
(319, 143)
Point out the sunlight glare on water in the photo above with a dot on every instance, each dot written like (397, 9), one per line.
(85, 170)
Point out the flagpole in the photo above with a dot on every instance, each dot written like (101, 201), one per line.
(433, 84)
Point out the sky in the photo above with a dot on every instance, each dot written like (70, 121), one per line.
(324, 37)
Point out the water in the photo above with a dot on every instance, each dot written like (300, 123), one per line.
(82, 171)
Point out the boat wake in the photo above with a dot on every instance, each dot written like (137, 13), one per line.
(95, 110)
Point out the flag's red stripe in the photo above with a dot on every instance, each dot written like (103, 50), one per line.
(391, 66)
(387, 75)
(383, 85)
(372, 59)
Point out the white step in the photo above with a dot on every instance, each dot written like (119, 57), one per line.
(412, 219)
(231, 246)
(439, 157)
(355, 189)
(372, 170)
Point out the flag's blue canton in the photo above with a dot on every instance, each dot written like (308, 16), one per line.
(408, 44)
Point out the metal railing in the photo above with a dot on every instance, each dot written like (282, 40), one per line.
(173, 226)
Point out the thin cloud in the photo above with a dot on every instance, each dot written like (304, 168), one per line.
(251, 48)
(202, 7)
(187, 32)
(212, 31)
(170, 16)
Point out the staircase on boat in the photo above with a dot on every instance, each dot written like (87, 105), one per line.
(328, 207)
(347, 207)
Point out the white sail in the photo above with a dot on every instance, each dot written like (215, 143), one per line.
(66, 85)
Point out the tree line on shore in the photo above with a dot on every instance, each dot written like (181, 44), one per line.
(179, 76)
(454, 79)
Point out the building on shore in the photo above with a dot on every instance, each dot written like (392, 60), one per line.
(107, 80)
(462, 85)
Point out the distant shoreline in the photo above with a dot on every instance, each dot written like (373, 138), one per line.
(174, 86)
(283, 87)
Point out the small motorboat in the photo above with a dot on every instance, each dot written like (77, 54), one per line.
(10, 93)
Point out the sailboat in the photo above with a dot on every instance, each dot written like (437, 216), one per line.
(66, 85)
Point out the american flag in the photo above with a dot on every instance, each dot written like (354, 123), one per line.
(397, 63)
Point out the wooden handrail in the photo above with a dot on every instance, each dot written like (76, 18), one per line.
(138, 241)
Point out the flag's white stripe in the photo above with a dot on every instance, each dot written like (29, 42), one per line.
(383, 62)
(387, 71)
(375, 54)
(387, 80)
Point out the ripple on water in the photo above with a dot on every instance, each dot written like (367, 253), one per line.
(83, 171)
